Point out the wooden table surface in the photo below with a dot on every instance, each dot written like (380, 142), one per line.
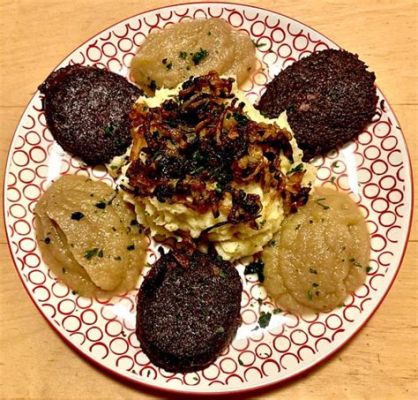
(380, 362)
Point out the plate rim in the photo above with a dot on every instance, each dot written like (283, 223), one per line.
(192, 390)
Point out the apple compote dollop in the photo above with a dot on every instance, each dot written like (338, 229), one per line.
(89, 237)
(171, 55)
(319, 256)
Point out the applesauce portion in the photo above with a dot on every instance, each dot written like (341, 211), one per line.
(173, 54)
(89, 237)
(319, 256)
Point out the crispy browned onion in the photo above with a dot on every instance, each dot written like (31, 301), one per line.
(200, 146)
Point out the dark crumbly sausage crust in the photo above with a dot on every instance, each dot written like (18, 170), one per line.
(329, 97)
(87, 109)
(188, 310)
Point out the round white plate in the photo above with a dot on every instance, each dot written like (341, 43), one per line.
(375, 169)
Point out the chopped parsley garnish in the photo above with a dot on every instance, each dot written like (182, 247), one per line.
(101, 204)
(100, 253)
(277, 311)
(333, 178)
(240, 118)
(355, 262)
(169, 65)
(272, 243)
(222, 273)
(220, 329)
(153, 85)
(164, 61)
(264, 319)
(309, 295)
(117, 258)
(77, 215)
(297, 168)
(199, 56)
(134, 222)
(89, 254)
(315, 284)
(335, 164)
(368, 269)
(74, 292)
(313, 271)
(47, 240)
(324, 206)
(130, 247)
(109, 129)
(259, 45)
(197, 170)
(240, 362)
(256, 267)
(297, 227)
(183, 55)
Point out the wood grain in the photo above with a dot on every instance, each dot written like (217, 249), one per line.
(380, 362)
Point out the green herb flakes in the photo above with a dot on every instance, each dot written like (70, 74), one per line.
(313, 271)
(277, 311)
(89, 254)
(77, 215)
(297, 168)
(222, 274)
(256, 267)
(100, 253)
(258, 45)
(319, 200)
(264, 319)
(101, 204)
(131, 247)
(109, 129)
(368, 269)
(355, 262)
(153, 85)
(309, 295)
(183, 55)
(199, 56)
(47, 240)
(219, 329)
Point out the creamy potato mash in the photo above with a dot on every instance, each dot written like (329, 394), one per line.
(231, 241)
(319, 256)
(170, 56)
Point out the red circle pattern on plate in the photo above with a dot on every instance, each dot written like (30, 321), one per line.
(374, 169)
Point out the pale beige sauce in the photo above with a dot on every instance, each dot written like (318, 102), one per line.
(167, 56)
(319, 256)
(101, 253)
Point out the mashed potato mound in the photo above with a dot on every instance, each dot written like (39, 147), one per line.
(231, 241)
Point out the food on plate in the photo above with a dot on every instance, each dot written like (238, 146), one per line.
(89, 237)
(206, 164)
(188, 310)
(319, 256)
(329, 97)
(173, 54)
(86, 109)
